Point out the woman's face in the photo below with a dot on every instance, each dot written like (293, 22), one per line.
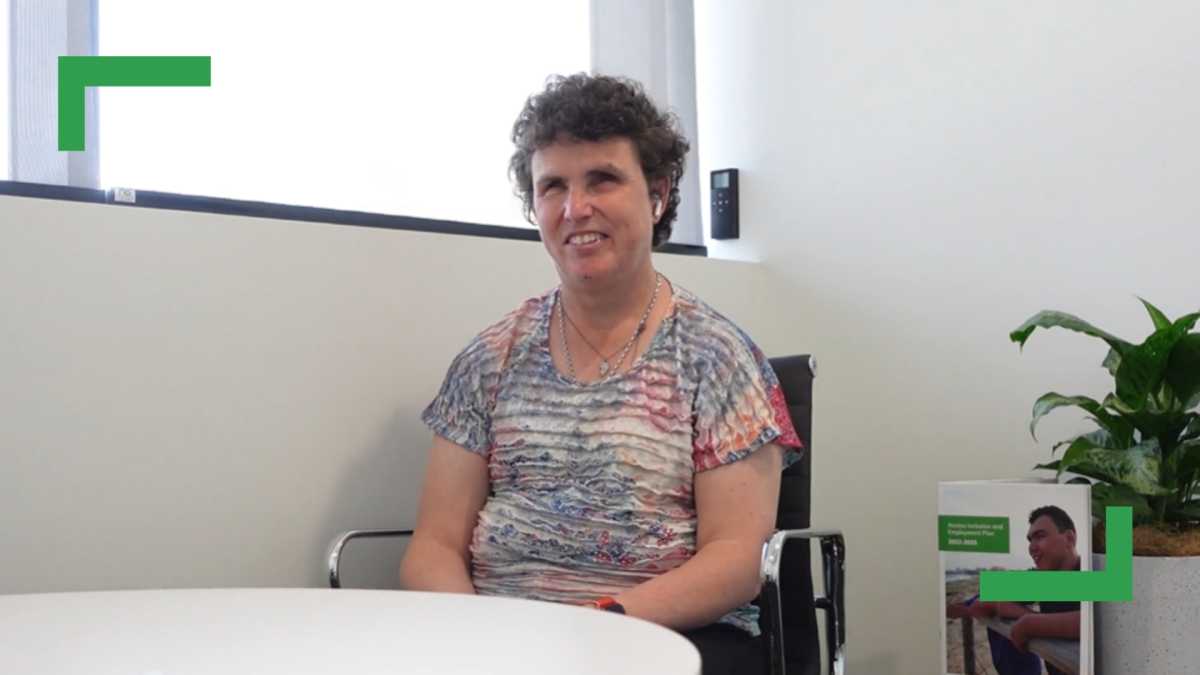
(593, 206)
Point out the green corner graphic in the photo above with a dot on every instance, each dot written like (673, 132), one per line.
(76, 73)
(1113, 584)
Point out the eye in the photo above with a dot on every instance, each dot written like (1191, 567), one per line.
(550, 186)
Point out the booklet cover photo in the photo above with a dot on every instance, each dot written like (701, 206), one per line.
(1012, 525)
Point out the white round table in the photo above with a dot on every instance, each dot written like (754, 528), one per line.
(303, 631)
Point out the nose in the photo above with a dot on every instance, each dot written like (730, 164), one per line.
(578, 205)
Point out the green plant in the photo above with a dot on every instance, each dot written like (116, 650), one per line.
(1146, 451)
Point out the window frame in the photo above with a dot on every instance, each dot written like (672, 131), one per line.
(41, 31)
(148, 199)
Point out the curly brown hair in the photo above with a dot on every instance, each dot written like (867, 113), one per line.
(595, 108)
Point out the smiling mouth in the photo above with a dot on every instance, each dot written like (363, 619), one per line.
(586, 238)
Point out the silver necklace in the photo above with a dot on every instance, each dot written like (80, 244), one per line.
(588, 342)
(605, 365)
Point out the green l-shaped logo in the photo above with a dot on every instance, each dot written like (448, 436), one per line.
(76, 73)
(1113, 584)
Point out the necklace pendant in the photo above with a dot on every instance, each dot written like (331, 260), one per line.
(604, 367)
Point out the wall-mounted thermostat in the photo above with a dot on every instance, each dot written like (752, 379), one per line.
(724, 197)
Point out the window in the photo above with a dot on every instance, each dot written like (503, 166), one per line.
(5, 130)
(365, 105)
(378, 107)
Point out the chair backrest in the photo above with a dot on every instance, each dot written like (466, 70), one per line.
(800, 637)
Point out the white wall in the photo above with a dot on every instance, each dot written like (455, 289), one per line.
(201, 400)
(923, 177)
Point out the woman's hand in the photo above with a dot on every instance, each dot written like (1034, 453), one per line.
(735, 513)
(455, 489)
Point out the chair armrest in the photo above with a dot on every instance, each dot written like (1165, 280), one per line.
(339, 542)
(833, 603)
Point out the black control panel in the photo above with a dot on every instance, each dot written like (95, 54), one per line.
(724, 196)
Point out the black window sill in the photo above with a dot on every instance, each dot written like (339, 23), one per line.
(238, 207)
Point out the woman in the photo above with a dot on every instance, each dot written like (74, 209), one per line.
(613, 441)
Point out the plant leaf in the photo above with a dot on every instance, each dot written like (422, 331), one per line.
(1119, 495)
(1185, 512)
(1118, 431)
(1084, 470)
(1163, 400)
(1193, 428)
(1160, 320)
(1075, 460)
(1054, 319)
(1149, 423)
(1113, 403)
(1186, 322)
(1136, 468)
(1188, 454)
(1183, 370)
(1053, 466)
(1112, 361)
(1051, 401)
(1100, 437)
(1142, 367)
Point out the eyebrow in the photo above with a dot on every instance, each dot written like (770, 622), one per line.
(606, 167)
(545, 179)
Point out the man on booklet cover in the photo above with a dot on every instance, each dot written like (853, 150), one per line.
(1052, 538)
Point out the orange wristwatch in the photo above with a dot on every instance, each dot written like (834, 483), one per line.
(608, 604)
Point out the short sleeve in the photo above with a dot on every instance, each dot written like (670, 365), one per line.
(461, 411)
(739, 406)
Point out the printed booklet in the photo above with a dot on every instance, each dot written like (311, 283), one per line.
(1013, 525)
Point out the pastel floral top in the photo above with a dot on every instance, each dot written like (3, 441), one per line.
(591, 484)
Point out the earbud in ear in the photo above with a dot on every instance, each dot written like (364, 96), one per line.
(658, 206)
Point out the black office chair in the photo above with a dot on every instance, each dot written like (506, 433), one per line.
(787, 601)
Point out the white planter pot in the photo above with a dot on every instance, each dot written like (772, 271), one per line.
(1159, 632)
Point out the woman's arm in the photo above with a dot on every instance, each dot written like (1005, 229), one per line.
(735, 511)
(455, 489)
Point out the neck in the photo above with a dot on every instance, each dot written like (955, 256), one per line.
(603, 309)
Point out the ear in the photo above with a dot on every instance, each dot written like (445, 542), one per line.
(659, 190)
(1071, 537)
